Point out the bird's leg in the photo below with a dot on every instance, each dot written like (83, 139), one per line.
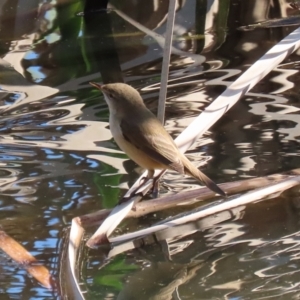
(155, 188)
(143, 181)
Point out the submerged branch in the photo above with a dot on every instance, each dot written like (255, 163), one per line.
(22, 257)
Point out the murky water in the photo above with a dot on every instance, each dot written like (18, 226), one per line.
(58, 160)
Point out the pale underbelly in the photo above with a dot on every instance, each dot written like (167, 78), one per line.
(138, 156)
(134, 153)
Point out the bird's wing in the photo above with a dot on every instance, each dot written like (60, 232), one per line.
(159, 146)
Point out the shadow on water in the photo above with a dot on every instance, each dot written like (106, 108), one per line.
(58, 160)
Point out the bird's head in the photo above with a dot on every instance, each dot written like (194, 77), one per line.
(119, 96)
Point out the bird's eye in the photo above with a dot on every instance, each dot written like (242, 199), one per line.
(110, 95)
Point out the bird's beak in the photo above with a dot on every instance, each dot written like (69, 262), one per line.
(96, 85)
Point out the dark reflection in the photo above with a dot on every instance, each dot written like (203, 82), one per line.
(101, 42)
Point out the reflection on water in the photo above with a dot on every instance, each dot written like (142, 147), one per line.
(58, 160)
(241, 257)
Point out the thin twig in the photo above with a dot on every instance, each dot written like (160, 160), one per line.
(166, 62)
(21, 256)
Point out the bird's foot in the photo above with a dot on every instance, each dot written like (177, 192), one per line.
(123, 200)
(136, 191)
(143, 181)
(155, 188)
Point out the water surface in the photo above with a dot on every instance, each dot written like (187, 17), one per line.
(58, 159)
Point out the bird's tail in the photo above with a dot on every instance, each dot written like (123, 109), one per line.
(191, 170)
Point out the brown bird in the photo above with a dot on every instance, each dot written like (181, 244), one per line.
(142, 137)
